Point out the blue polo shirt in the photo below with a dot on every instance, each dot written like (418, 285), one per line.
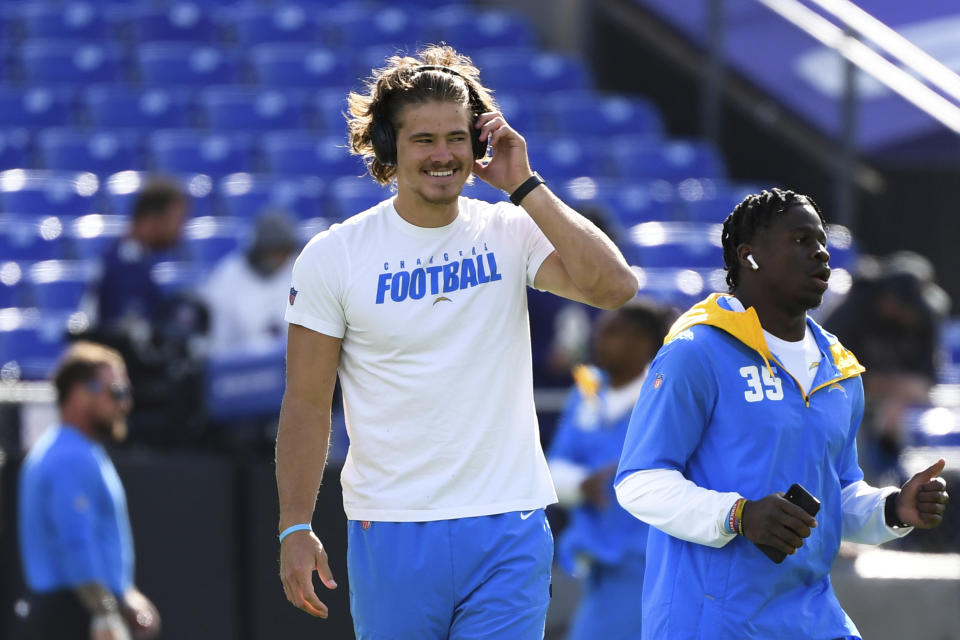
(718, 407)
(73, 524)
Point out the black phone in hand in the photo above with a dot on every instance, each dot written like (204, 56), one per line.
(802, 498)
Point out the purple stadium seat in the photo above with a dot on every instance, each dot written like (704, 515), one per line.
(248, 109)
(152, 108)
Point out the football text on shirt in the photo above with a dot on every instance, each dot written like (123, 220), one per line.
(434, 279)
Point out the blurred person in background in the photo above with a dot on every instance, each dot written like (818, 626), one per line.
(75, 539)
(747, 397)
(419, 304)
(602, 543)
(156, 332)
(247, 291)
(891, 319)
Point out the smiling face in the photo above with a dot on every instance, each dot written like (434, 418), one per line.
(434, 157)
(792, 258)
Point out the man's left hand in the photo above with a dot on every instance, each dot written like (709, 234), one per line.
(923, 499)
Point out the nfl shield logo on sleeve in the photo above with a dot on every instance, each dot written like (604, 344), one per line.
(658, 381)
(293, 295)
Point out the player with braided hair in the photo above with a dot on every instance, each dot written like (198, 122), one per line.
(747, 397)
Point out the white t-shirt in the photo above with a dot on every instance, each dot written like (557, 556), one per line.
(246, 309)
(435, 363)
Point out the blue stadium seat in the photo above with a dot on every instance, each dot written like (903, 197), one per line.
(329, 105)
(91, 235)
(75, 20)
(306, 229)
(209, 238)
(540, 73)
(13, 284)
(524, 112)
(297, 153)
(71, 63)
(636, 202)
(187, 64)
(468, 29)
(247, 196)
(14, 149)
(673, 160)
(842, 247)
(120, 191)
(675, 286)
(562, 158)
(102, 152)
(152, 108)
(254, 24)
(189, 151)
(480, 190)
(31, 238)
(591, 114)
(59, 285)
(709, 200)
(179, 21)
(229, 393)
(39, 192)
(302, 65)
(248, 109)
(394, 25)
(684, 245)
(36, 107)
(350, 196)
(30, 343)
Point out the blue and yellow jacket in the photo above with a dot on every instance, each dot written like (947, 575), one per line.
(585, 437)
(718, 407)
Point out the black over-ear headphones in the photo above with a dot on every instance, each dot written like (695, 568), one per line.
(383, 137)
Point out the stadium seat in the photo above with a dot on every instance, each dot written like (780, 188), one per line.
(563, 158)
(189, 151)
(591, 114)
(186, 64)
(71, 63)
(297, 153)
(301, 65)
(247, 196)
(74, 20)
(468, 29)
(30, 343)
(241, 385)
(350, 196)
(121, 189)
(329, 105)
(254, 24)
(91, 235)
(179, 21)
(32, 238)
(523, 111)
(635, 202)
(673, 160)
(678, 287)
(394, 25)
(102, 152)
(39, 192)
(36, 107)
(145, 109)
(948, 370)
(708, 200)
(248, 109)
(306, 229)
(13, 285)
(842, 247)
(14, 149)
(480, 190)
(539, 73)
(59, 285)
(684, 245)
(209, 238)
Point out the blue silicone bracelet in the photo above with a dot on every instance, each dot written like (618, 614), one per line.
(296, 527)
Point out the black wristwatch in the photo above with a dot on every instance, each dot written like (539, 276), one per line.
(890, 512)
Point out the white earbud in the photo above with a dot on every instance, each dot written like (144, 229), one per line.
(753, 262)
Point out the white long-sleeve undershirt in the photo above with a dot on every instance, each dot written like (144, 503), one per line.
(653, 495)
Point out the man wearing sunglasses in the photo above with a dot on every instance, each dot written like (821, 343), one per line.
(75, 540)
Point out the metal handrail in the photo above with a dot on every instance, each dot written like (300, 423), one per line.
(869, 60)
(938, 74)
